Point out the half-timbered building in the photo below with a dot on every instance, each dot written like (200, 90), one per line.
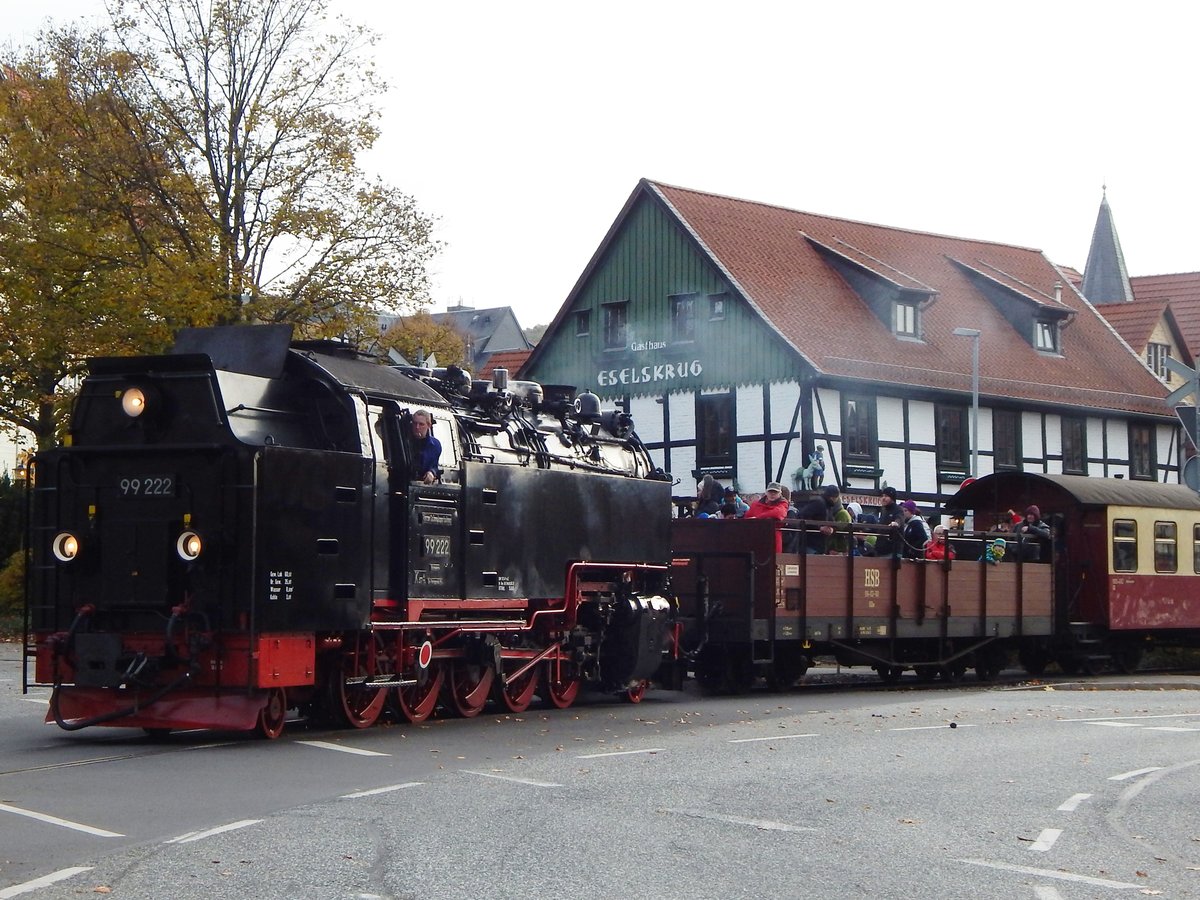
(746, 338)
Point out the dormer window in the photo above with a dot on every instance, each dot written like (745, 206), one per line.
(1045, 336)
(1156, 358)
(904, 319)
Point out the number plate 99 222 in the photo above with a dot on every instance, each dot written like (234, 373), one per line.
(147, 486)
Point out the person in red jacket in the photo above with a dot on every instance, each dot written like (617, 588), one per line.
(938, 547)
(770, 505)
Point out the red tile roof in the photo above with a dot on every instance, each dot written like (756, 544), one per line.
(764, 251)
(1183, 290)
(1134, 321)
(507, 359)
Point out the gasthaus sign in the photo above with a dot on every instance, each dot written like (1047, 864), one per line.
(666, 371)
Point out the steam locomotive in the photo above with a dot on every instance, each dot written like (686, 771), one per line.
(234, 530)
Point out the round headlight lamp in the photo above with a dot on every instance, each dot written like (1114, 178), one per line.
(189, 546)
(133, 402)
(65, 546)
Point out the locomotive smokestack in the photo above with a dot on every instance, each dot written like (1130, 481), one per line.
(500, 379)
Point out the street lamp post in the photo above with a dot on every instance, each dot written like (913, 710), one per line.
(973, 334)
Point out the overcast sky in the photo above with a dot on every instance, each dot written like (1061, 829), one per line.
(524, 127)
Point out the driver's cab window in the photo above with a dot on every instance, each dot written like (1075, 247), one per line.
(439, 425)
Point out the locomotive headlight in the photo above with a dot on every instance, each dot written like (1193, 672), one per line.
(133, 402)
(65, 546)
(189, 546)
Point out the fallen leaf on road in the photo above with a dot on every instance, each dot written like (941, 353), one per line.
(102, 889)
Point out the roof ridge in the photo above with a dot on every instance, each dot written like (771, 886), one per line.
(831, 218)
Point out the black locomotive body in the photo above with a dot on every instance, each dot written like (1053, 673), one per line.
(234, 530)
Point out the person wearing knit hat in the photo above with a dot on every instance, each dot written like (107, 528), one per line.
(888, 543)
(915, 534)
(1032, 531)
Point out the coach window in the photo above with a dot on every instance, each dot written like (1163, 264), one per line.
(1196, 548)
(1165, 549)
(1124, 545)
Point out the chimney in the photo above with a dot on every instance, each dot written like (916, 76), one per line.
(1058, 292)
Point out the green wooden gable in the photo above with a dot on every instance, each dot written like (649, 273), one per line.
(684, 326)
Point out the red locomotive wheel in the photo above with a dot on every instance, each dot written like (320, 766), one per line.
(636, 693)
(418, 702)
(469, 688)
(561, 693)
(273, 716)
(352, 704)
(517, 694)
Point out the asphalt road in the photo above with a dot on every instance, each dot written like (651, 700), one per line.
(1045, 791)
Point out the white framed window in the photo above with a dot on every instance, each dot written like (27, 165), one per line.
(1044, 336)
(1156, 358)
(904, 319)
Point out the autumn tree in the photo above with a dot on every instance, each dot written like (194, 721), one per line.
(102, 248)
(417, 337)
(271, 104)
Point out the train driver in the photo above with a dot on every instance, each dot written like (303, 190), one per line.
(426, 449)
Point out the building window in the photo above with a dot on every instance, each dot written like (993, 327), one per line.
(1165, 550)
(1156, 359)
(1045, 337)
(904, 319)
(1124, 545)
(1142, 462)
(683, 318)
(716, 306)
(1006, 439)
(1074, 446)
(858, 429)
(714, 430)
(583, 322)
(952, 437)
(616, 325)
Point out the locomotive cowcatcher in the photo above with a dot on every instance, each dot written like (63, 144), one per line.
(232, 531)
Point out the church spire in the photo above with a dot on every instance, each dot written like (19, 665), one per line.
(1105, 279)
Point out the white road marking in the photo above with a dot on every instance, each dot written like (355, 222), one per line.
(1046, 892)
(54, 820)
(931, 727)
(1134, 774)
(200, 835)
(1073, 802)
(1136, 718)
(760, 824)
(1051, 873)
(621, 753)
(1046, 839)
(382, 790)
(778, 737)
(511, 778)
(45, 701)
(1116, 724)
(326, 745)
(17, 890)
(1169, 728)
